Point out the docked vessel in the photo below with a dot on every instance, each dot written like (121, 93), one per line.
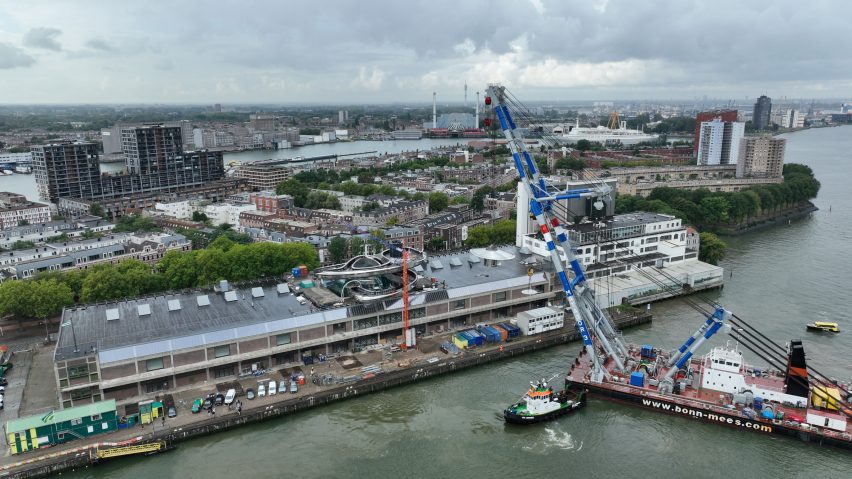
(788, 398)
(721, 388)
(616, 131)
(823, 326)
(541, 403)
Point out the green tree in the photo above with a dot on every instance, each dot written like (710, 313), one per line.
(337, 249)
(460, 200)
(97, 210)
(17, 298)
(392, 221)
(199, 216)
(435, 244)
(584, 145)
(499, 233)
(712, 249)
(438, 202)
(356, 246)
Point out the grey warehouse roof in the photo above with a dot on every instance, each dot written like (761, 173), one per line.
(180, 320)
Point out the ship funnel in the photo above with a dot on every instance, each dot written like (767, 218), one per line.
(796, 380)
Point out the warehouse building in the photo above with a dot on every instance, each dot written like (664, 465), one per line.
(131, 350)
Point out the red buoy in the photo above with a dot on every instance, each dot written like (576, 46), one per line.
(488, 100)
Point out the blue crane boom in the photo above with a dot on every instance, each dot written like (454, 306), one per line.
(592, 323)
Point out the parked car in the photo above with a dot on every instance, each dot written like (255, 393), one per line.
(282, 387)
(196, 405)
(294, 387)
(208, 403)
(273, 388)
(230, 395)
(172, 412)
(219, 400)
(250, 394)
(4, 382)
(2, 389)
(261, 391)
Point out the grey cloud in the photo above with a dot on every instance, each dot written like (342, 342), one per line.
(13, 57)
(692, 47)
(99, 43)
(43, 37)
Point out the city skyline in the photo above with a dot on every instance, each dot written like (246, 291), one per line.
(547, 51)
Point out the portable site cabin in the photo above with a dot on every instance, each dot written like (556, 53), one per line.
(460, 341)
(57, 427)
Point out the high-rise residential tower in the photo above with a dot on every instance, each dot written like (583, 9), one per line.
(66, 169)
(762, 112)
(761, 157)
(719, 142)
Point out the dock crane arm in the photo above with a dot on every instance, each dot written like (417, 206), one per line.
(591, 321)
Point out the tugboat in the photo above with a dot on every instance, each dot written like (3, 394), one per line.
(541, 404)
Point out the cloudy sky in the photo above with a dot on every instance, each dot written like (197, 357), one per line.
(226, 51)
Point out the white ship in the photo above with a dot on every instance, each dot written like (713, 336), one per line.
(616, 131)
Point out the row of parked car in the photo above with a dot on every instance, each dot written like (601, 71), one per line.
(3, 383)
(271, 389)
(264, 388)
(213, 400)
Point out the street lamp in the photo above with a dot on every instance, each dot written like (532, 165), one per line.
(73, 334)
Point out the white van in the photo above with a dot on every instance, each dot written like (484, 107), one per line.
(273, 389)
(230, 395)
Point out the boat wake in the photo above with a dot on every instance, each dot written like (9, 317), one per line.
(553, 439)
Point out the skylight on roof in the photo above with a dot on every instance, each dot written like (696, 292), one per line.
(144, 309)
(112, 314)
(283, 288)
(230, 296)
(257, 292)
(174, 305)
(203, 300)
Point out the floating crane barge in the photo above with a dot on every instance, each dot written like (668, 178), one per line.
(789, 398)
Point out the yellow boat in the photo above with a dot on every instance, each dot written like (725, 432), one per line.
(823, 326)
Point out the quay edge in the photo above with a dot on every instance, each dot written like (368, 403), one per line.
(83, 458)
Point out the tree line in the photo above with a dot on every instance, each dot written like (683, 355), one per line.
(47, 293)
(713, 210)
(499, 233)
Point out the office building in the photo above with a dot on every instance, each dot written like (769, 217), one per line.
(719, 142)
(761, 157)
(66, 170)
(724, 115)
(762, 112)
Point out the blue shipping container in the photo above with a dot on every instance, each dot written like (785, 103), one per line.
(637, 378)
(513, 330)
(477, 337)
(297, 273)
(473, 339)
(491, 334)
(647, 351)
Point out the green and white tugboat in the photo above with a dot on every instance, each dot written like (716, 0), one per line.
(541, 403)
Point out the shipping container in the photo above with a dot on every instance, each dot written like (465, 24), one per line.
(460, 341)
(504, 335)
(491, 334)
(478, 339)
(513, 330)
(306, 284)
(637, 378)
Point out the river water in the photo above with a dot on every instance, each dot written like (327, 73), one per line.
(451, 426)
